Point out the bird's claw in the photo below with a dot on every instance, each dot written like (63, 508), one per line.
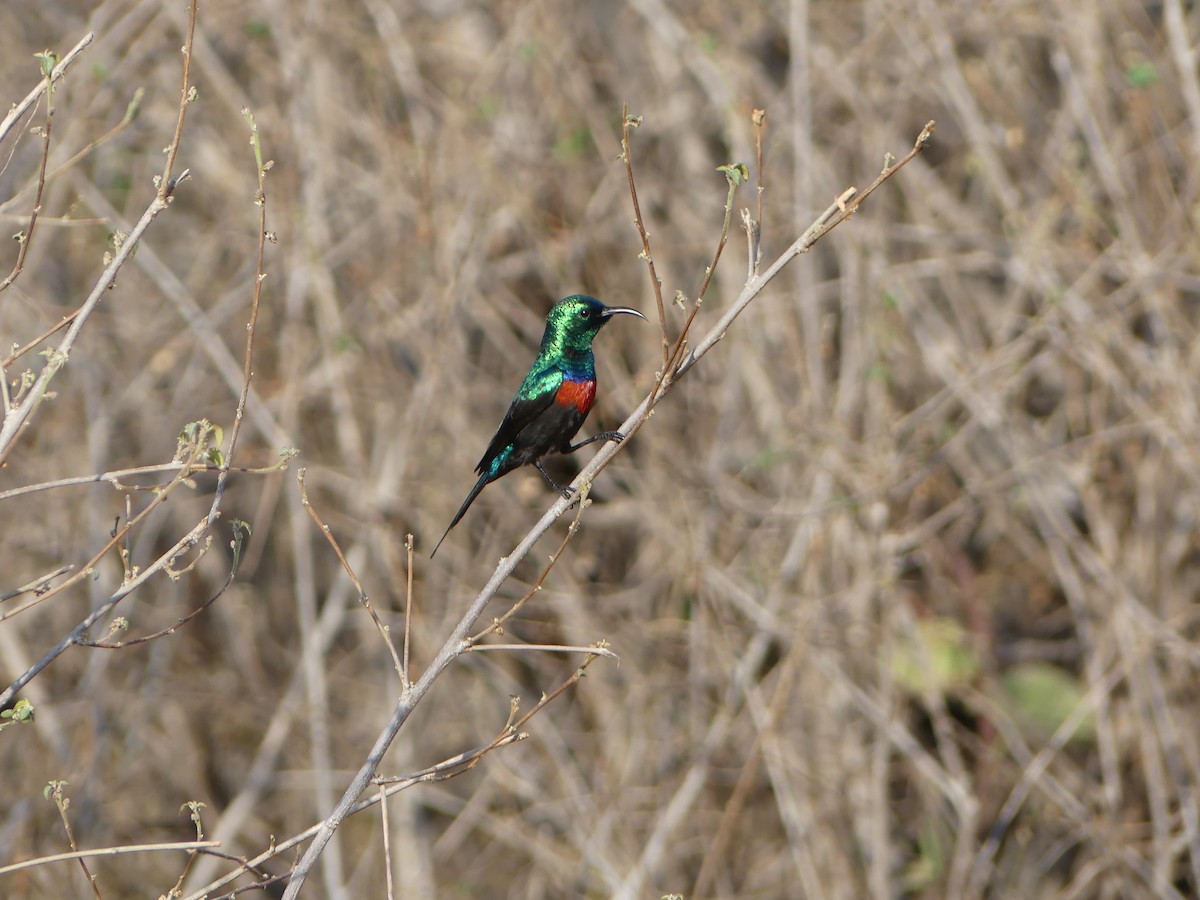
(567, 492)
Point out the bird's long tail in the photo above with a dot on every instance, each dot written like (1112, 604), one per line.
(462, 510)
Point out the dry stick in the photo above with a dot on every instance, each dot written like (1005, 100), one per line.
(44, 336)
(27, 238)
(442, 771)
(387, 842)
(195, 808)
(627, 122)
(457, 643)
(186, 96)
(113, 477)
(362, 594)
(38, 585)
(759, 117)
(754, 228)
(408, 604)
(592, 649)
(60, 70)
(106, 851)
(260, 200)
(733, 179)
(55, 790)
(455, 765)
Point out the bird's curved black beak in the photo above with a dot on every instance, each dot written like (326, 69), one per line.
(610, 311)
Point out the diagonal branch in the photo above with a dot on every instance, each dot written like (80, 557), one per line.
(457, 643)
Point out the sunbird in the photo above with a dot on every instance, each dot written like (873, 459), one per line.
(552, 401)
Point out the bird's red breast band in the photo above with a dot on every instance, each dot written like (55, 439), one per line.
(580, 394)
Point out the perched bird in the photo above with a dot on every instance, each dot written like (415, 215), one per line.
(553, 400)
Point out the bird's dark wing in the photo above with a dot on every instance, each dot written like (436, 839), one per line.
(522, 411)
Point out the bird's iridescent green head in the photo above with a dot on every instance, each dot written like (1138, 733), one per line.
(574, 322)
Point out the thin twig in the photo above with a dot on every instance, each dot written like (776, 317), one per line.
(754, 229)
(408, 605)
(114, 477)
(194, 808)
(106, 851)
(454, 766)
(62, 802)
(547, 648)
(44, 336)
(38, 584)
(387, 842)
(628, 122)
(260, 200)
(166, 185)
(26, 238)
(384, 631)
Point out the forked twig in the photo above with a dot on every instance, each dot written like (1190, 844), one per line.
(384, 631)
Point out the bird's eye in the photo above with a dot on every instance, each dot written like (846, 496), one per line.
(585, 313)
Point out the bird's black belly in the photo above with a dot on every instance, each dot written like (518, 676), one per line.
(548, 433)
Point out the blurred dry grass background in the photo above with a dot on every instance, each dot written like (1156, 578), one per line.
(932, 498)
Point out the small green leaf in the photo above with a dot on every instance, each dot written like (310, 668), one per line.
(48, 60)
(573, 145)
(1043, 696)
(21, 713)
(241, 532)
(878, 371)
(1141, 75)
(938, 651)
(135, 105)
(927, 869)
(736, 173)
(257, 28)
